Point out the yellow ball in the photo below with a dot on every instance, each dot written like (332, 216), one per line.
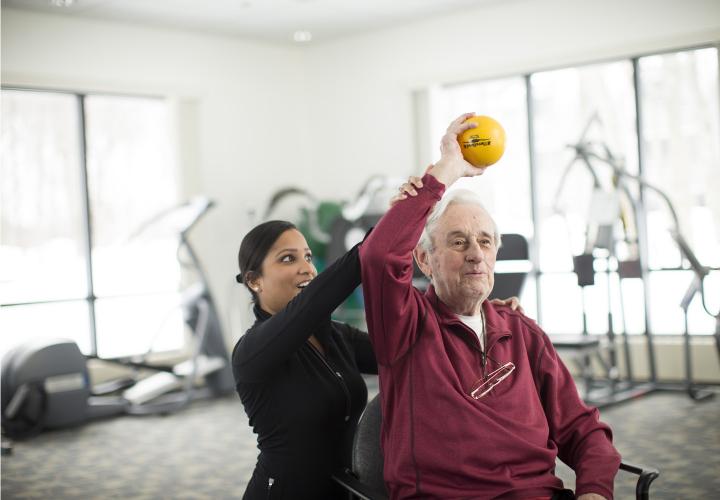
(485, 144)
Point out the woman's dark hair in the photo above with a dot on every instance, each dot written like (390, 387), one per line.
(255, 246)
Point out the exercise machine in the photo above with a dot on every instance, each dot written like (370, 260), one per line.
(46, 382)
(174, 386)
(623, 200)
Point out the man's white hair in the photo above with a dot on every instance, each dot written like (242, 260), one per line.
(453, 197)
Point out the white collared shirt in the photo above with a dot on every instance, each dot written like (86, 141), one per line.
(476, 324)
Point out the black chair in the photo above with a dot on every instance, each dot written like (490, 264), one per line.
(514, 248)
(365, 480)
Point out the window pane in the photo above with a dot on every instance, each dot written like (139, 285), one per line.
(562, 316)
(596, 304)
(561, 304)
(667, 291)
(42, 253)
(627, 304)
(681, 126)
(69, 320)
(593, 105)
(633, 312)
(699, 321)
(136, 325)
(131, 177)
(528, 297)
(505, 186)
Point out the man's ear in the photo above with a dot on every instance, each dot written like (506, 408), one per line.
(422, 257)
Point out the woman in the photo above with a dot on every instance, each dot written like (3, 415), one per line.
(298, 372)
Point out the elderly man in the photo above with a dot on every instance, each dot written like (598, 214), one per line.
(476, 402)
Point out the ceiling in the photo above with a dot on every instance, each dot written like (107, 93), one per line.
(280, 21)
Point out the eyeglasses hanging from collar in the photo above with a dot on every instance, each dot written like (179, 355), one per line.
(483, 387)
(486, 384)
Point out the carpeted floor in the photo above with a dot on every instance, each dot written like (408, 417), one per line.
(208, 451)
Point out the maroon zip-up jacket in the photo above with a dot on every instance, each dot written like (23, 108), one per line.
(438, 441)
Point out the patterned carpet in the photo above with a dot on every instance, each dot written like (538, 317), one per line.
(207, 451)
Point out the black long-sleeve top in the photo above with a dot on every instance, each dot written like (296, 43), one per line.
(304, 405)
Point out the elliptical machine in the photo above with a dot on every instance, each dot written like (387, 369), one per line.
(46, 383)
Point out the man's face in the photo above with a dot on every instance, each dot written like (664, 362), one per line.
(462, 263)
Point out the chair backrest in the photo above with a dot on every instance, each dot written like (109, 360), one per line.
(507, 284)
(367, 457)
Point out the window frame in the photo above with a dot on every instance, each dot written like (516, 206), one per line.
(90, 297)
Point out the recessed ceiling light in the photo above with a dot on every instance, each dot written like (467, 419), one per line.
(62, 3)
(302, 36)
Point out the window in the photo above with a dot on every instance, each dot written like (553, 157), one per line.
(42, 210)
(63, 274)
(588, 110)
(592, 106)
(680, 125)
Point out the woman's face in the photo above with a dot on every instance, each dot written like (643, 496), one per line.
(286, 270)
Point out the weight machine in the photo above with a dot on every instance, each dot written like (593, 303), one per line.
(600, 235)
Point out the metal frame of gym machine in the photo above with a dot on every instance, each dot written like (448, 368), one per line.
(173, 387)
(614, 390)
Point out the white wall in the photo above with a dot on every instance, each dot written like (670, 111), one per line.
(368, 80)
(256, 117)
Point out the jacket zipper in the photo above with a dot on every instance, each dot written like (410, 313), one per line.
(271, 481)
(484, 352)
(339, 377)
(485, 347)
(483, 361)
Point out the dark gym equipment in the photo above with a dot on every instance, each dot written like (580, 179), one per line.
(308, 213)
(45, 385)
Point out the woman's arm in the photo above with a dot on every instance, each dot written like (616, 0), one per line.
(362, 350)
